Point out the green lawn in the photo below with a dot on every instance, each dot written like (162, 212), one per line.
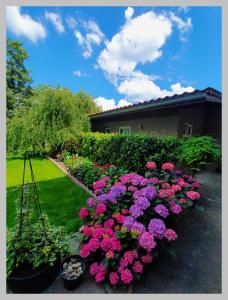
(60, 198)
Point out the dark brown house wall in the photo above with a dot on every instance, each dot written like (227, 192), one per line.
(194, 115)
(213, 121)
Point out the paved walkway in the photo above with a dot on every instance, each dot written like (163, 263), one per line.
(197, 266)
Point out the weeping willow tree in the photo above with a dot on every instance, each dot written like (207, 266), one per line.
(53, 116)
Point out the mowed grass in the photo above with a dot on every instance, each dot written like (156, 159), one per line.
(60, 198)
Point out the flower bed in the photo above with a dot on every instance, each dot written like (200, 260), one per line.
(130, 221)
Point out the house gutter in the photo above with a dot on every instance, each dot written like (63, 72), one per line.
(151, 105)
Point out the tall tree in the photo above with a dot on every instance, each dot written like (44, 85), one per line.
(17, 76)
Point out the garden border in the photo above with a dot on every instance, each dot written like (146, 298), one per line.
(72, 178)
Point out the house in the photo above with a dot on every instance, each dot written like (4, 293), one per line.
(188, 114)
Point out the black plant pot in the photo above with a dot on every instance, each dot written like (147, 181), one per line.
(33, 280)
(72, 284)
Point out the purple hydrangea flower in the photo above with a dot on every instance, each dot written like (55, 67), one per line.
(157, 228)
(138, 226)
(135, 211)
(91, 202)
(146, 241)
(161, 210)
(149, 192)
(175, 208)
(128, 222)
(178, 172)
(142, 202)
(102, 197)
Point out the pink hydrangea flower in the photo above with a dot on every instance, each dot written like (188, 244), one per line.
(93, 269)
(87, 231)
(165, 185)
(170, 234)
(195, 184)
(182, 183)
(182, 200)
(168, 166)
(126, 276)
(129, 256)
(110, 254)
(132, 188)
(83, 213)
(124, 211)
(94, 244)
(100, 277)
(120, 218)
(109, 223)
(113, 278)
(100, 209)
(108, 231)
(147, 259)
(153, 180)
(166, 193)
(137, 267)
(176, 188)
(97, 233)
(151, 165)
(192, 195)
(85, 251)
(106, 244)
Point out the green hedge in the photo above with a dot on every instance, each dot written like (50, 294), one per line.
(128, 151)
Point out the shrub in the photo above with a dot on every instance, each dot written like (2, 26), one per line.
(127, 151)
(79, 166)
(198, 152)
(129, 221)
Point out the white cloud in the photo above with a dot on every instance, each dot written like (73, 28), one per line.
(92, 36)
(108, 104)
(123, 102)
(56, 20)
(129, 13)
(77, 73)
(139, 41)
(140, 87)
(184, 9)
(79, 37)
(23, 25)
(71, 22)
(105, 104)
(183, 26)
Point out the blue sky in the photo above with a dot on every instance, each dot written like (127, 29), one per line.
(121, 55)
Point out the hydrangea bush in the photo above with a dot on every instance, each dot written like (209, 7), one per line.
(129, 221)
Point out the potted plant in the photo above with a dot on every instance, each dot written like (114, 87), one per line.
(34, 256)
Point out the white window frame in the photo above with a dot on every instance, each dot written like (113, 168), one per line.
(187, 127)
(107, 128)
(125, 127)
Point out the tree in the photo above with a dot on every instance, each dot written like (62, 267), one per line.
(55, 115)
(17, 77)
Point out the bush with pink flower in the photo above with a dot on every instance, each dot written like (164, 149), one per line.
(127, 224)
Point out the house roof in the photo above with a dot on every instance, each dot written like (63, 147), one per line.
(209, 94)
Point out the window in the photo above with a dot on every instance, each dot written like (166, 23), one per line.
(187, 129)
(107, 130)
(140, 127)
(125, 129)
